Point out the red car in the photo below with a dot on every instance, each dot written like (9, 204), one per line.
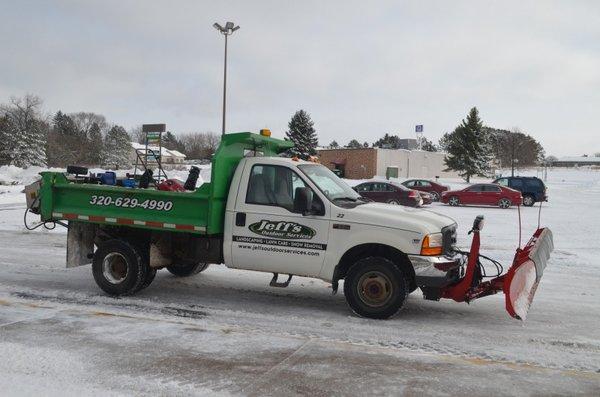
(484, 194)
(386, 192)
(433, 188)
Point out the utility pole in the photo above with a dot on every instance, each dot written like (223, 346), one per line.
(229, 28)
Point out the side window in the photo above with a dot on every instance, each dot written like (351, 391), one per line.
(491, 188)
(502, 182)
(425, 184)
(389, 188)
(273, 185)
(365, 187)
(476, 188)
(516, 184)
(410, 183)
(533, 184)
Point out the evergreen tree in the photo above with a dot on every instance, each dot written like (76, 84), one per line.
(117, 148)
(388, 142)
(6, 132)
(354, 144)
(96, 143)
(366, 144)
(468, 148)
(334, 145)
(428, 146)
(302, 133)
(66, 144)
(23, 132)
(170, 141)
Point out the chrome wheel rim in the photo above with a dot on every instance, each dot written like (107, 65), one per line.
(393, 202)
(453, 201)
(114, 268)
(528, 200)
(374, 289)
(435, 196)
(504, 203)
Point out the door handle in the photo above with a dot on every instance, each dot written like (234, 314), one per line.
(240, 219)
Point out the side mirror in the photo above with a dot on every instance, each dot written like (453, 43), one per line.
(303, 200)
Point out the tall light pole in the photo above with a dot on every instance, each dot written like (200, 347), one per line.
(229, 28)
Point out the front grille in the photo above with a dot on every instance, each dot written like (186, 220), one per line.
(448, 239)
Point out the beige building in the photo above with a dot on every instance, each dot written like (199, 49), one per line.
(365, 163)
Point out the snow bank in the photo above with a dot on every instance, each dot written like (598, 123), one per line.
(11, 175)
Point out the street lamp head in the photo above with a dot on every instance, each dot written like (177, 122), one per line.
(228, 29)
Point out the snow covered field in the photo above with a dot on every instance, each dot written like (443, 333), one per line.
(226, 332)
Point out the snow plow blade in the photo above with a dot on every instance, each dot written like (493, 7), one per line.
(523, 277)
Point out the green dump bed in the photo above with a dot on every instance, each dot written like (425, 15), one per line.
(201, 211)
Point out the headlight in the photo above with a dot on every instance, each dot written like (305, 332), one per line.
(433, 244)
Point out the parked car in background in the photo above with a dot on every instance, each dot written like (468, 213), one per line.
(388, 192)
(483, 194)
(433, 188)
(532, 188)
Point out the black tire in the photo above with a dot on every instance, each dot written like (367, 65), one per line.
(528, 200)
(118, 268)
(150, 275)
(187, 270)
(375, 287)
(393, 202)
(435, 197)
(76, 170)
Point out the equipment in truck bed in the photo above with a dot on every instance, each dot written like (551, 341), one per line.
(200, 212)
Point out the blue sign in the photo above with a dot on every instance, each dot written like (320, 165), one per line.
(419, 128)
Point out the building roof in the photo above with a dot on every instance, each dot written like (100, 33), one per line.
(579, 159)
(164, 152)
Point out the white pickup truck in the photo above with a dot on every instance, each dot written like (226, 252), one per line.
(382, 251)
(283, 216)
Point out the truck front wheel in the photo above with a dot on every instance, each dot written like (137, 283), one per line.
(118, 268)
(187, 270)
(375, 287)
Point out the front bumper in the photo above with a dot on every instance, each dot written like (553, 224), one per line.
(436, 271)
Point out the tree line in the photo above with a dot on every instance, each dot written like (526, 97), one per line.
(30, 137)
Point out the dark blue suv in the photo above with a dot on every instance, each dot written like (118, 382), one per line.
(532, 188)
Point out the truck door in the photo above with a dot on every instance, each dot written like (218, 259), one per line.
(267, 234)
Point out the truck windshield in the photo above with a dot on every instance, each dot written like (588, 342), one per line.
(336, 190)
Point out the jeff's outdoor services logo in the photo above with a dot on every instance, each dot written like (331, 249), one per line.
(287, 230)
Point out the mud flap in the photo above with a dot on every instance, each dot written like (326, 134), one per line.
(523, 278)
(80, 243)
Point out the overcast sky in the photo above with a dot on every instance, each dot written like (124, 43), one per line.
(361, 69)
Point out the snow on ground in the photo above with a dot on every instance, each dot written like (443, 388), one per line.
(226, 332)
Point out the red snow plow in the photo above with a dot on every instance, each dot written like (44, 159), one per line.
(519, 283)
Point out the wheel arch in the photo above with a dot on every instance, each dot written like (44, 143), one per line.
(361, 251)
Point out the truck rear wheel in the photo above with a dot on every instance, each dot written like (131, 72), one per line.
(118, 268)
(150, 274)
(375, 287)
(187, 270)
